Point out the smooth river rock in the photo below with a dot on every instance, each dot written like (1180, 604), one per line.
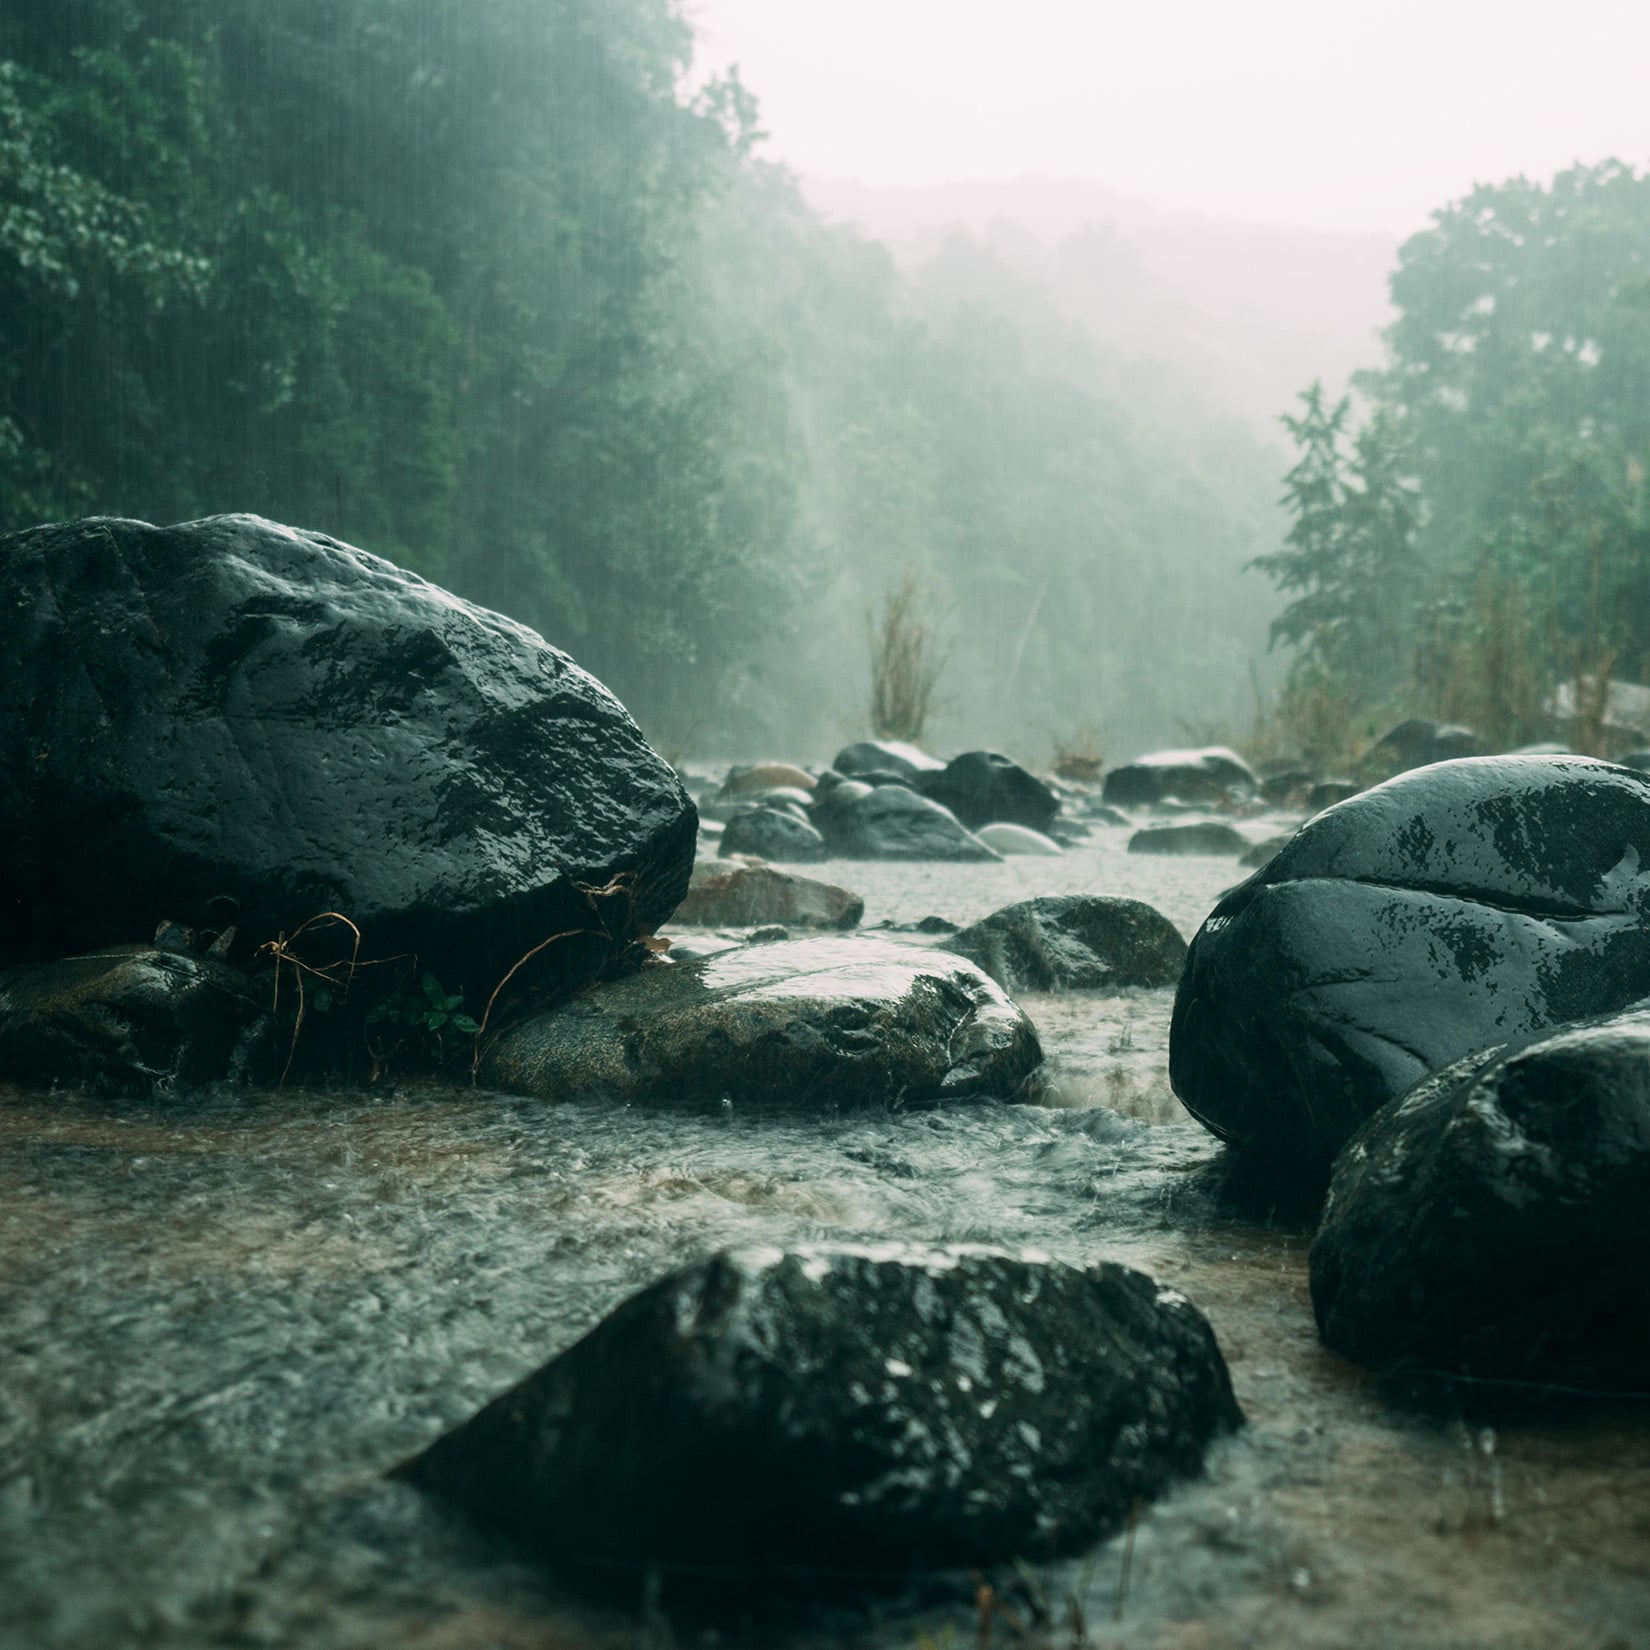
(980, 787)
(234, 708)
(891, 822)
(772, 833)
(1495, 1222)
(747, 896)
(841, 1414)
(822, 1024)
(1455, 908)
(1074, 942)
(1205, 775)
(1199, 836)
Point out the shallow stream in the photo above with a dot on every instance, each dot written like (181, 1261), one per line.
(223, 1319)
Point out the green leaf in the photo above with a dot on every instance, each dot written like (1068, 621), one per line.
(433, 991)
(464, 1023)
(435, 1019)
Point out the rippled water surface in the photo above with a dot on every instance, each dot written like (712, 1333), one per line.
(224, 1319)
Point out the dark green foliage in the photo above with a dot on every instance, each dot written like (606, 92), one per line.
(1485, 533)
(482, 289)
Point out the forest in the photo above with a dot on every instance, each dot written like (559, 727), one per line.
(509, 296)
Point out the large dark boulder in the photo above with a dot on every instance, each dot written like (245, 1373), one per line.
(133, 1020)
(800, 1025)
(1208, 775)
(772, 833)
(234, 708)
(891, 822)
(1495, 1222)
(838, 1413)
(1451, 909)
(1074, 942)
(985, 787)
(890, 756)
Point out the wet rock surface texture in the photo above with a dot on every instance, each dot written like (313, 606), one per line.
(1075, 942)
(835, 1409)
(981, 787)
(1494, 1222)
(1455, 908)
(132, 1019)
(233, 708)
(772, 833)
(813, 1025)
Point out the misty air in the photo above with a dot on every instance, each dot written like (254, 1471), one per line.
(824, 825)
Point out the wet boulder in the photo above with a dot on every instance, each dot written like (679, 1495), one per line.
(133, 1020)
(1419, 742)
(981, 787)
(1454, 908)
(772, 833)
(744, 896)
(1493, 1223)
(821, 1024)
(1203, 836)
(891, 822)
(1075, 942)
(1018, 841)
(1207, 775)
(234, 708)
(890, 756)
(848, 1412)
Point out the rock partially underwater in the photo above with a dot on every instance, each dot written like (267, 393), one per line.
(1494, 1223)
(891, 822)
(132, 1020)
(233, 708)
(1455, 908)
(838, 1413)
(813, 1025)
(1074, 942)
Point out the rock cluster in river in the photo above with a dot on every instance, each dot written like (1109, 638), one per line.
(1454, 908)
(836, 1413)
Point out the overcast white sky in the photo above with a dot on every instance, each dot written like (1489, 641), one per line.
(1345, 114)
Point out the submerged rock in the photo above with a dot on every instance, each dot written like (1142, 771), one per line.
(891, 822)
(1494, 1222)
(841, 1414)
(231, 707)
(133, 1020)
(1452, 909)
(1206, 775)
(804, 1025)
(738, 896)
(1074, 942)
(772, 833)
(981, 787)
(1203, 836)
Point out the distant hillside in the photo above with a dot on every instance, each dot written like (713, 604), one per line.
(1248, 314)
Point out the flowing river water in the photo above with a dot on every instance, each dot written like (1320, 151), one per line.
(224, 1318)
